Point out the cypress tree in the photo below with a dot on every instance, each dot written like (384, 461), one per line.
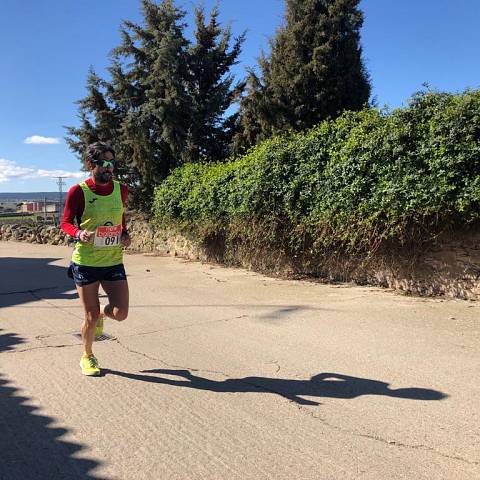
(314, 71)
(211, 88)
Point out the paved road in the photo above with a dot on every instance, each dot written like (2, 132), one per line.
(227, 374)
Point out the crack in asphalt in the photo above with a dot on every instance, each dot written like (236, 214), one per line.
(385, 441)
(30, 291)
(181, 327)
(41, 338)
(37, 297)
(163, 362)
(41, 348)
(275, 362)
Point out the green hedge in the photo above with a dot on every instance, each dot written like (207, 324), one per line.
(349, 183)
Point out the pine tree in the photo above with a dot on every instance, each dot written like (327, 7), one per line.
(154, 127)
(98, 119)
(210, 88)
(256, 118)
(166, 99)
(144, 109)
(314, 71)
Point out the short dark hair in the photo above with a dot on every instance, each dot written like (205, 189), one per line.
(94, 150)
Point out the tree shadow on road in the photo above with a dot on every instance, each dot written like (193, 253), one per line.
(27, 279)
(331, 385)
(30, 447)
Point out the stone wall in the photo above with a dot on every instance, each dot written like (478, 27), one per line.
(448, 267)
(34, 234)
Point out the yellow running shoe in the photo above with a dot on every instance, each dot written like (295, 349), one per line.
(99, 327)
(90, 366)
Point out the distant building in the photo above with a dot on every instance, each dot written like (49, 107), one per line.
(39, 207)
(8, 206)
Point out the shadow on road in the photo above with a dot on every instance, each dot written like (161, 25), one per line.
(331, 385)
(30, 447)
(26, 279)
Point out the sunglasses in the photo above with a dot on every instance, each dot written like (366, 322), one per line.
(105, 163)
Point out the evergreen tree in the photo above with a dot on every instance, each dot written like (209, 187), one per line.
(93, 105)
(257, 114)
(143, 109)
(210, 89)
(166, 99)
(99, 119)
(314, 71)
(151, 92)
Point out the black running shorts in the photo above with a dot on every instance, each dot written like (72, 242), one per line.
(83, 275)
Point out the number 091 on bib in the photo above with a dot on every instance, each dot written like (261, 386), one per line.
(107, 236)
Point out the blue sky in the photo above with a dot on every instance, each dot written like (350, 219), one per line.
(47, 47)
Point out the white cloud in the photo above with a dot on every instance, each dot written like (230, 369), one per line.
(60, 173)
(39, 140)
(11, 171)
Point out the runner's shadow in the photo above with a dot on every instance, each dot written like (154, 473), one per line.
(331, 385)
(30, 447)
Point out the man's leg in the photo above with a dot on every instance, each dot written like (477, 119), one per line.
(118, 299)
(89, 297)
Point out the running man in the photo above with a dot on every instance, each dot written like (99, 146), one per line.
(97, 205)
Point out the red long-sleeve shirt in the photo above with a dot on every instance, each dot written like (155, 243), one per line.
(75, 204)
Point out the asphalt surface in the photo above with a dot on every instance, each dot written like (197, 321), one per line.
(226, 374)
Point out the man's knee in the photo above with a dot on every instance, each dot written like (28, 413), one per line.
(91, 316)
(121, 314)
(117, 313)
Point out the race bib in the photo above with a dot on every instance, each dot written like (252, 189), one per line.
(107, 236)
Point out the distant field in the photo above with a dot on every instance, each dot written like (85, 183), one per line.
(27, 219)
(15, 214)
(12, 220)
(29, 196)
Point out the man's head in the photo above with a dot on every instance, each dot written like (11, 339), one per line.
(100, 160)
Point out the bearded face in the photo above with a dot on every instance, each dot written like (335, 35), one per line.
(102, 175)
(102, 169)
